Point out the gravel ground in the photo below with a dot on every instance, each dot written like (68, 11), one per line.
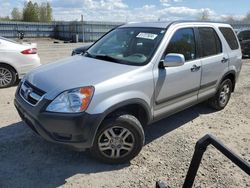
(26, 160)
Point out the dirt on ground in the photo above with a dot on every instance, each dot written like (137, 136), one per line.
(27, 160)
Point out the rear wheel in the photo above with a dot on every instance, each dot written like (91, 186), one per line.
(119, 139)
(7, 76)
(220, 100)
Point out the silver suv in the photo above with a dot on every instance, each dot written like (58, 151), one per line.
(136, 74)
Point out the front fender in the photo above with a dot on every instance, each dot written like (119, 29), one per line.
(131, 97)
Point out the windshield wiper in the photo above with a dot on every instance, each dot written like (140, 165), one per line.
(102, 57)
(107, 58)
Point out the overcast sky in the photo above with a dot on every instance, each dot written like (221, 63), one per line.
(137, 10)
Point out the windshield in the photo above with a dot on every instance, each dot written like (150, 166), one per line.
(133, 46)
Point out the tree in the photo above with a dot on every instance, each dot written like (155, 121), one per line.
(45, 12)
(27, 11)
(31, 12)
(49, 12)
(7, 18)
(16, 14)
(36, 12)
(204, 15)
(229, 19)
(247, 17)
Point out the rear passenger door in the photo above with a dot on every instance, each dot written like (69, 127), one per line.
(214, 60)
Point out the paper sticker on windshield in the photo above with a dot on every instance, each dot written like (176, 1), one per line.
(150, 36)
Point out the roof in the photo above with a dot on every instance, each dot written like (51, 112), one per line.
(147, 24)
(165, 24)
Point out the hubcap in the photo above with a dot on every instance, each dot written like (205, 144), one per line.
(224, 94)
(5, 77)
(116, 142)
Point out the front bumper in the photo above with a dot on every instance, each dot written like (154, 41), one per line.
(75, 130)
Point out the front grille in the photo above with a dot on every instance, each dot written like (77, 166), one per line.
(30, 93)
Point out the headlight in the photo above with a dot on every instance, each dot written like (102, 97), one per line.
(72, 101)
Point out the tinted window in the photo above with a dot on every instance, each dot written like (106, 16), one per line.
(210, 42)
(230, 37)
(183, 42)
(244, 35)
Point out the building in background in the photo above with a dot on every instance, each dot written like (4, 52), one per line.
(71, 31)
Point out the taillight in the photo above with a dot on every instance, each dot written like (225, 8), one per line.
(29, 51)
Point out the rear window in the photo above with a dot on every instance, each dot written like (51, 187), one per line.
(230, 37)
(8, 40)
(210, 42)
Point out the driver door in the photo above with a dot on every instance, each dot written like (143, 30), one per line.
(177, 87)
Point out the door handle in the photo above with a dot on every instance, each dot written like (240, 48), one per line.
(224, 60)
(195, 68)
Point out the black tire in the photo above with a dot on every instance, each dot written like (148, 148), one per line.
(118, 124)
(217, 102)
(7, 76)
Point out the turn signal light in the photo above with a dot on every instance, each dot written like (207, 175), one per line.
(87, 92)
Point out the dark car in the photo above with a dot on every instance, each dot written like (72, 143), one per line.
(244, 37)
(81, 49)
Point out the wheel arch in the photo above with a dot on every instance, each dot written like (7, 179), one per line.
(143, 114)
(232, 76)
(141, 111)
(11, 66)
(137, 107)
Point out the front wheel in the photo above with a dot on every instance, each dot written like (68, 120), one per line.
(220, 100)
(119, 139)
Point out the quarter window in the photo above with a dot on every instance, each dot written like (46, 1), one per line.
(183, 42)
(230, 37)
(210, 42)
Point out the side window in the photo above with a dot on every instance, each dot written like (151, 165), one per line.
(183, 42)
(230, 37)
(244, 35)
(210, 42)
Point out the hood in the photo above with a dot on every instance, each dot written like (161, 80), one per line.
(74, 72)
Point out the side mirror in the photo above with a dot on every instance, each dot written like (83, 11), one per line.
(173, 60)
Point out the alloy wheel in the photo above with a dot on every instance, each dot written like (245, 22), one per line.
(224, 94)
(5, 77)
(116, 142)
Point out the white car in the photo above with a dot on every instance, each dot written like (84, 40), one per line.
(15, 61)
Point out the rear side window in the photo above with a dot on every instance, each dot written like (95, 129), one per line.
(210, 42)
(244, 35)
(183, 42)
(230, 37)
